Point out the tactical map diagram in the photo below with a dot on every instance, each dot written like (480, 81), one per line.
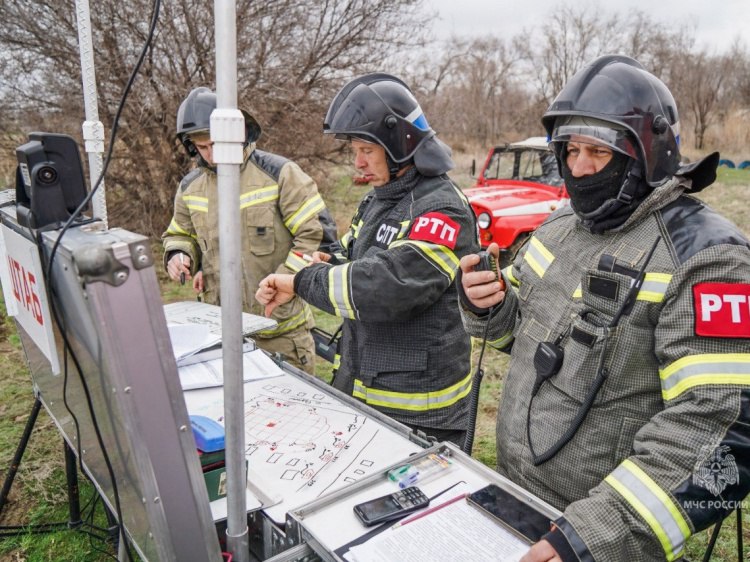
(302, 443)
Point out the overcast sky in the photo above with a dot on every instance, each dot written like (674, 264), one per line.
(717, 22)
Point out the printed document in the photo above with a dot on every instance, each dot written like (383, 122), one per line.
(457, 532)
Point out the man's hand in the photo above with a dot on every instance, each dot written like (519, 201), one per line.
(541, 552)
(198, 282)
(179, 264)
(274, 290)
(320, 257)
(481, 287)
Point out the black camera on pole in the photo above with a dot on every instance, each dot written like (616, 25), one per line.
(49, 180)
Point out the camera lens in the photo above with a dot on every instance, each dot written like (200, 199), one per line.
(47, 174)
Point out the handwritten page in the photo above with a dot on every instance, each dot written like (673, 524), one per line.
(255, 365)
(456, 532)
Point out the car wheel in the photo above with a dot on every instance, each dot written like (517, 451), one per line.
(507, 257)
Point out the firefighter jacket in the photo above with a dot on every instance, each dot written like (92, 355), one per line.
(665, 449)
(403, 349)
(280, 207)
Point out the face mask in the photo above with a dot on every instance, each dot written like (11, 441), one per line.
(589, 193)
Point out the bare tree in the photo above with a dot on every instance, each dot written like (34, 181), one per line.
(700, 89)
(569, 39)
(292, 56)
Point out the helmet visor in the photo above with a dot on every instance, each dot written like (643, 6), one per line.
(593, 131)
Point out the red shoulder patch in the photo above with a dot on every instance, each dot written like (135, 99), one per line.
(437, 228)
(722, 310)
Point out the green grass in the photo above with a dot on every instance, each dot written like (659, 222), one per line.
(39, 493)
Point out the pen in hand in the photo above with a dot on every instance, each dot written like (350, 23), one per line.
(182, 273)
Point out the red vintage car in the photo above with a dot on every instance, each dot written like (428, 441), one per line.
(517, 188)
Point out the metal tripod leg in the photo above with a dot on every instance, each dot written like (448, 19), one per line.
(71, 474)
(13, 469)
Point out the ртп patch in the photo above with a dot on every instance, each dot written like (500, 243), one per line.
(436, 227)
(722, 310)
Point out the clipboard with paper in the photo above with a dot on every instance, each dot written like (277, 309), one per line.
(450, 524)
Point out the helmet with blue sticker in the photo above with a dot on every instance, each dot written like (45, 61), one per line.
(381, 108)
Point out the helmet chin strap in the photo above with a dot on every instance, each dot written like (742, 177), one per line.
(393, 167)
(633, 175)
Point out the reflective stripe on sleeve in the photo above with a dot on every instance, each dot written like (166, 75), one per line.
(653, 504)
(439, 255)
(311, 208)
(538, 257)
(502, 342)
(346, 238)
(288, 325)
(413, 401)
(294, 262)
(704, 370)
(175, 228)
(338, 291)
(258, 196)
(196, 203)
(508, 272)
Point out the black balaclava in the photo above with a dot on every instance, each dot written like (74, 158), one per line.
(606, 199)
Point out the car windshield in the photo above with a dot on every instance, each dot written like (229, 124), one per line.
(528, 165)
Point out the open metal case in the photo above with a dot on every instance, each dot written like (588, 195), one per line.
(116, 398)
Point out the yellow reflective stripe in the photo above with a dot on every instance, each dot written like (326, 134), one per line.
(355, 229)
(258, 196)
(502, 341)
(294, 262)
(287, 325)
(338, 291)
(538, 257)
(175, 228)
(311, 207)
(578, 293)
(508, 272)
(704, 370)
(654, 286)
(344, 241)
(413, 401)
(653, 504)
(196, 203)
(438, 254)
(336, 361)
(404, 229)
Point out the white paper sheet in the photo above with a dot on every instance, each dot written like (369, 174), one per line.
(255, 365)
(457, 532)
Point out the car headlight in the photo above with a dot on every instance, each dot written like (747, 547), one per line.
(484, 220)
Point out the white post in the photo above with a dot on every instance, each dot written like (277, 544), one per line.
(93, 130)
(228, 136)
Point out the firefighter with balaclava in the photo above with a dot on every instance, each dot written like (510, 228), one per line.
(403, 350)
(627, 400)
(282, 218)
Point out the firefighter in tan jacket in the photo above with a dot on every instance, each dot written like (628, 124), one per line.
(283, 217)
(627, 399)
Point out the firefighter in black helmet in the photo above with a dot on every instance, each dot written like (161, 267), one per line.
(627, 400)
(404, 351)
(283, 217)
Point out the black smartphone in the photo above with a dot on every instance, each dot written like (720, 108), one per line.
(390, 507)
(512, 513)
